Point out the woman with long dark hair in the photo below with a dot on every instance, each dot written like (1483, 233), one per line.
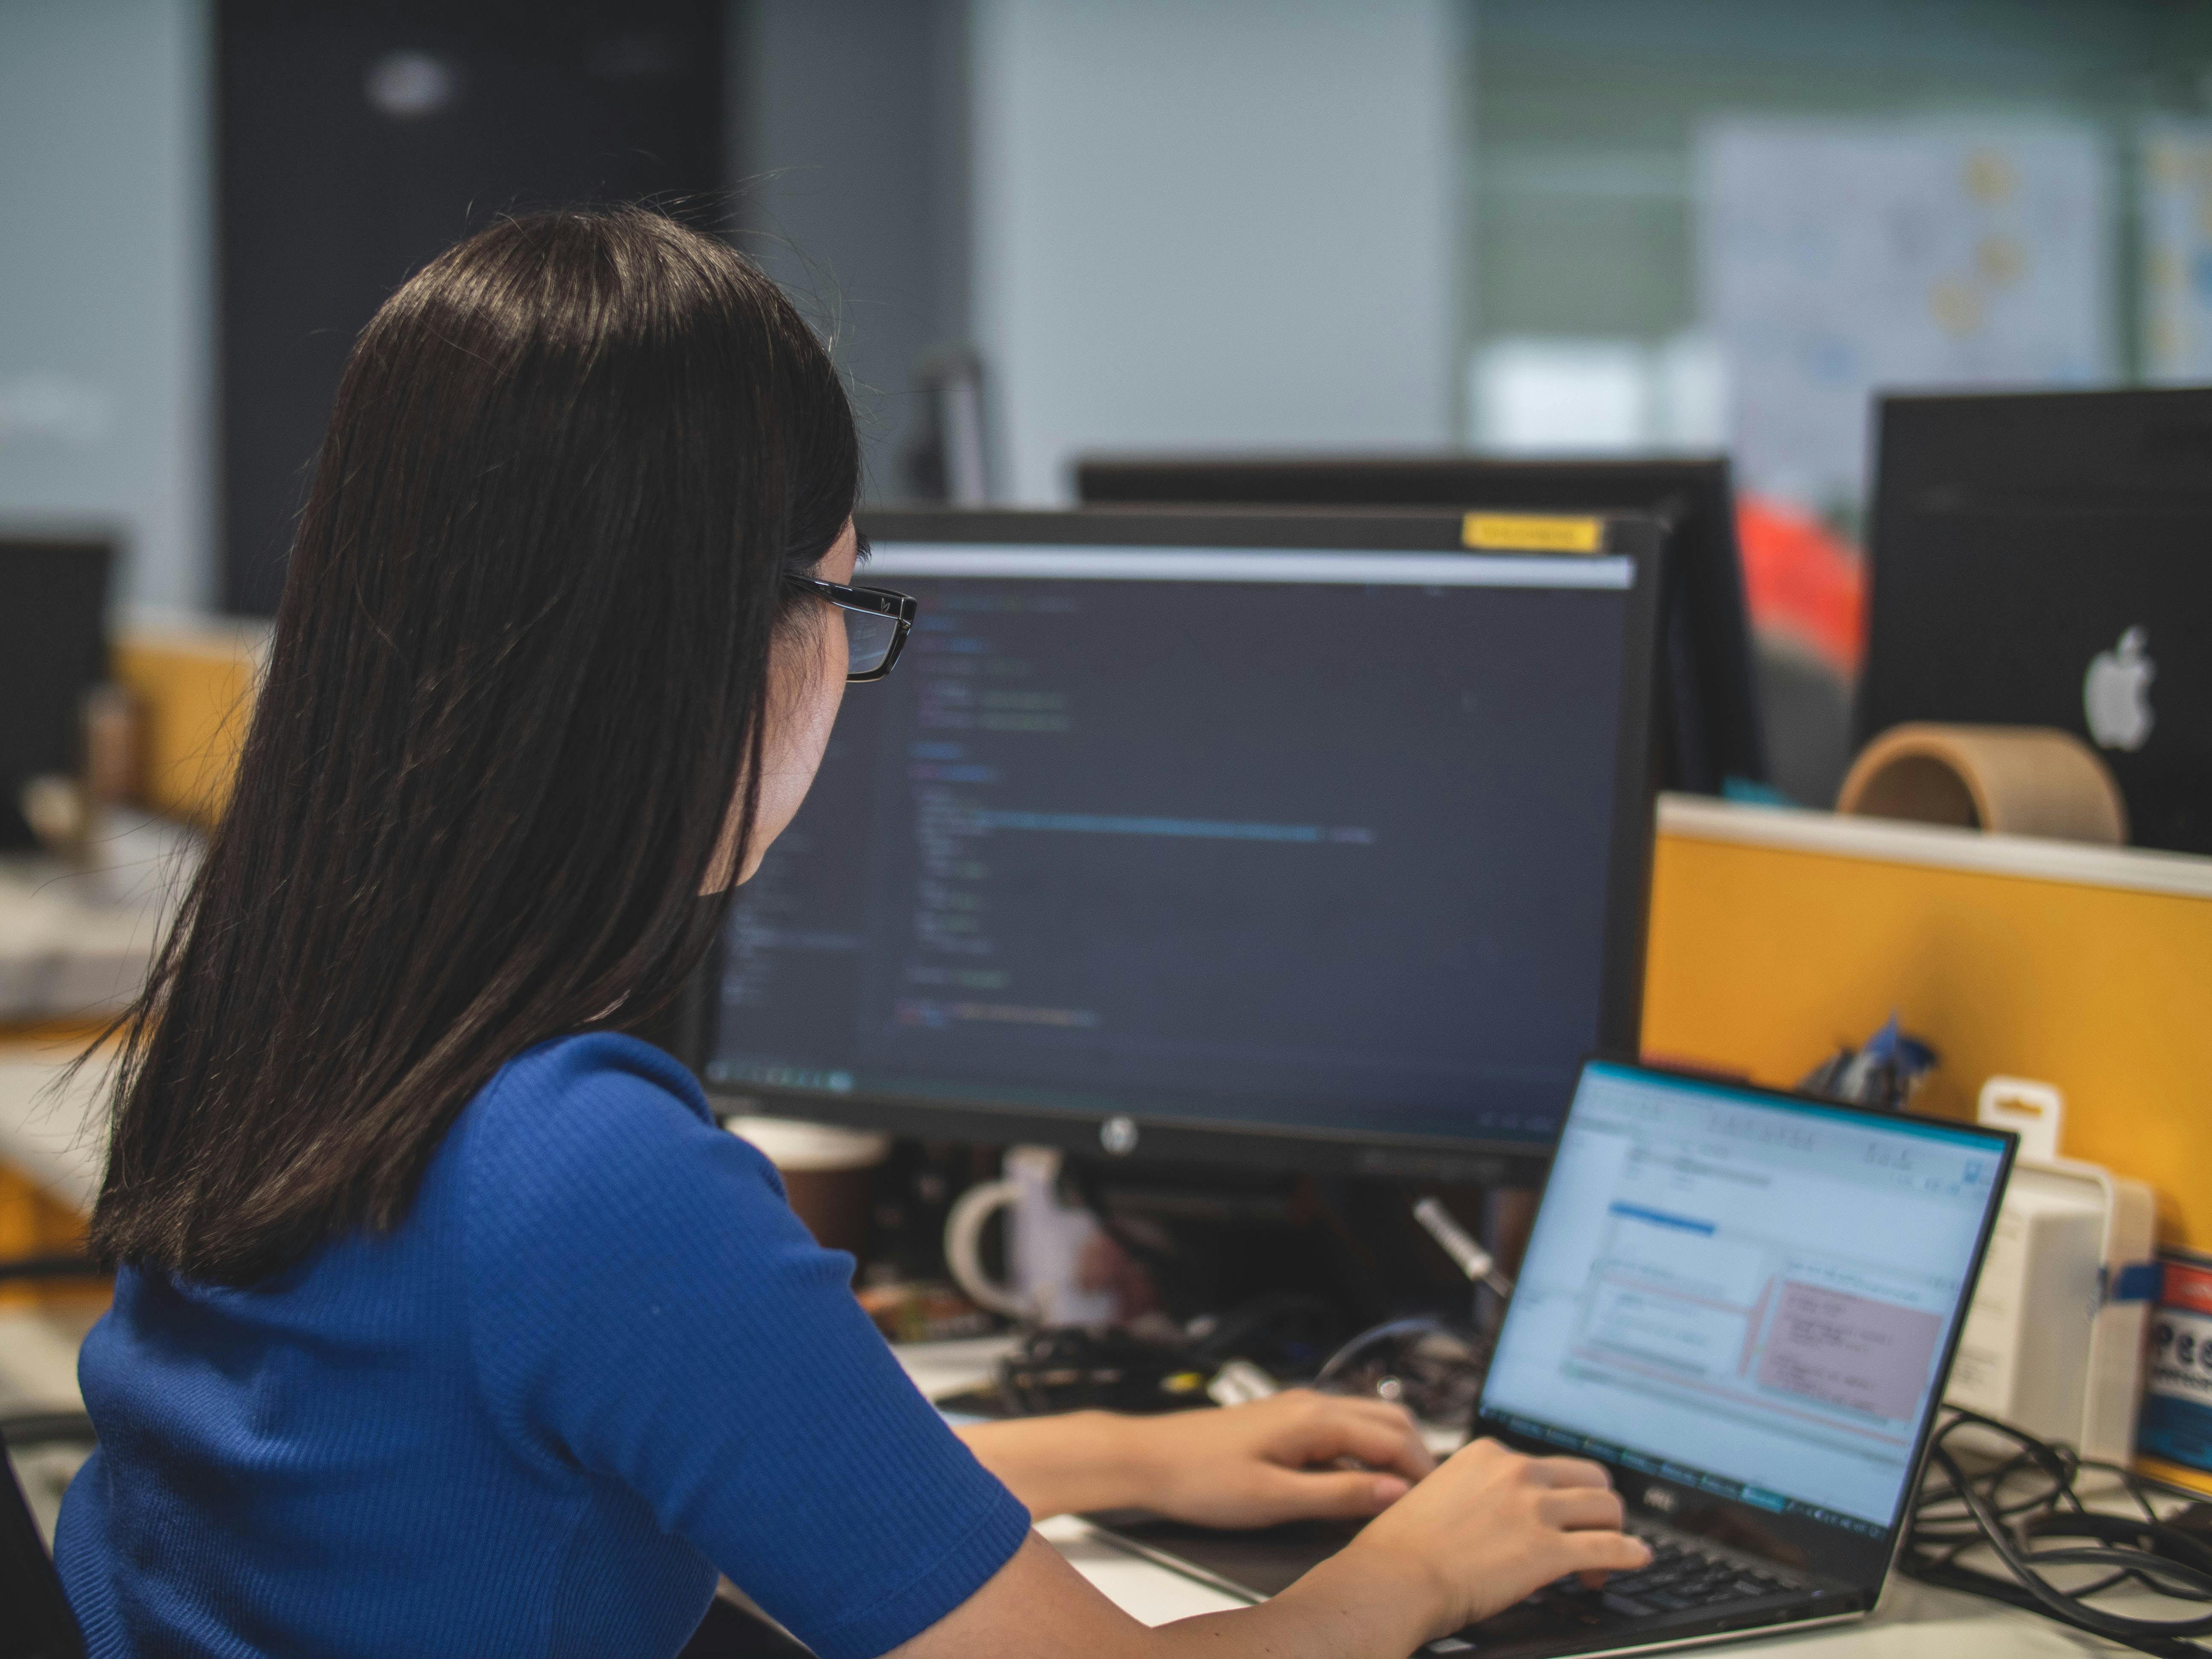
(447, 1322)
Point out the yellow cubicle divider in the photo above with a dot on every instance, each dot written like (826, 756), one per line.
(1777, 935)
(34, 1223)
(194, 686)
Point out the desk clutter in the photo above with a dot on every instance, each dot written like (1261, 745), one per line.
(115, 752)
(78, 930)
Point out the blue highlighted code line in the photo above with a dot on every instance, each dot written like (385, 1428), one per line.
(1661, 1218)
(1094, 823)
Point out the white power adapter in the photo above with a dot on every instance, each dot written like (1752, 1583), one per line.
(2053, 1342)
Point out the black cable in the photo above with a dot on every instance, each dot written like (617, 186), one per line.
(2030, 1497)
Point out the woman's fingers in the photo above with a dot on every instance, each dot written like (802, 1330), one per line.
(1323, 1427)
(1583, 1507)
(1602, 1552)
(1388, 1441)
(1329, 1494)
(1568, 1472)
(1360, 1404)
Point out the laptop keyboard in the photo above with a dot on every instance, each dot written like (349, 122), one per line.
(1682, 1576)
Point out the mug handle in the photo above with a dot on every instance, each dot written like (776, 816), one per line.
(963, 1251)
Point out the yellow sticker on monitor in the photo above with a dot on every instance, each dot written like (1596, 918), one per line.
(1531, 533)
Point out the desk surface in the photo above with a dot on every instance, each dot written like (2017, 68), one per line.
(1913, 1621)
(49, 1122)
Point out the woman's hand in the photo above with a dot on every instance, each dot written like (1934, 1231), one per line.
(1277, 1458)
(1242, 1465)
(1486, 1530)
(1476, 1536)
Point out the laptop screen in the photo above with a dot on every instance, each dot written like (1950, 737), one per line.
(1745, 1295)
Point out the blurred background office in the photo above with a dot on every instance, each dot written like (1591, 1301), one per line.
(1675, 251)
(1531, 226)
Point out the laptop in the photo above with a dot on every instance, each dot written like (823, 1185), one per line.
(2039, 559)
(1744, 1304)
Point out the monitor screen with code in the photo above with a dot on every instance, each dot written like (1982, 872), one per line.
(1314, 840)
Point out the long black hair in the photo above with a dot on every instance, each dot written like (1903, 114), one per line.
(518, 682)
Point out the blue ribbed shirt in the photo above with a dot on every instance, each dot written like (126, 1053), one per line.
(598, 1361)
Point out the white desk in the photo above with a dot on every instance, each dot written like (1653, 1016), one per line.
(51, 1128)
(1913, 1622)
(52, 1134)
(77, 939)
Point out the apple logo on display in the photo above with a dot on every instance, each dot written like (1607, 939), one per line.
(2116, 694)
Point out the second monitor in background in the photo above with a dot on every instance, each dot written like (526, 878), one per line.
(54, 649)
(1708, 719)
(2039, 559)
(1290, 840)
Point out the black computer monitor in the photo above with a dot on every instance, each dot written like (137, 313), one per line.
(1299, 841)
(1708, 721)
(2041, 559)
(53, 648)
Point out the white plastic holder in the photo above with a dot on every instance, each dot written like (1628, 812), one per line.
(2104, 1304)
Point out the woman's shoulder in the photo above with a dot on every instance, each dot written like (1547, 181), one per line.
(602, 1066)
(581, 1123)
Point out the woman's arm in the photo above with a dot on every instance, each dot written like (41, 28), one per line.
(1038, 1606)
(1485, 1530)
(1250, 1465)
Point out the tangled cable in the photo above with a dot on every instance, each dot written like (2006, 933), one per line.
(2029, 1497)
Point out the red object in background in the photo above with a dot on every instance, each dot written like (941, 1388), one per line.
(1801, 579)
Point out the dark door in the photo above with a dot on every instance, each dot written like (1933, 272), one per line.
(356, 140)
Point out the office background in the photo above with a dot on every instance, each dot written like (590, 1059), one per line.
(1510, 227)
(1520, 223)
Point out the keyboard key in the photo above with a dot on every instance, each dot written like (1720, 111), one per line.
(1626, 1606)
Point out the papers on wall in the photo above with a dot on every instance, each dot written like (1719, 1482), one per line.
(2176, 251)
(1838, 258)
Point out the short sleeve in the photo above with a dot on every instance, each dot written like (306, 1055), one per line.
(645, 1305)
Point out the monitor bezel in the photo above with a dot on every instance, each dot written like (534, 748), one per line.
(1143, 1138)
(1843, 1553)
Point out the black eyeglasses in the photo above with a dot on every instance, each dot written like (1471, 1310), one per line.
(877, 622)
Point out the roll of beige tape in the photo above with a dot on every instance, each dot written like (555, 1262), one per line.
(2010, 780)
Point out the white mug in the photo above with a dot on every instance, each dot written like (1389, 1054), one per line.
(1045, 1239)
